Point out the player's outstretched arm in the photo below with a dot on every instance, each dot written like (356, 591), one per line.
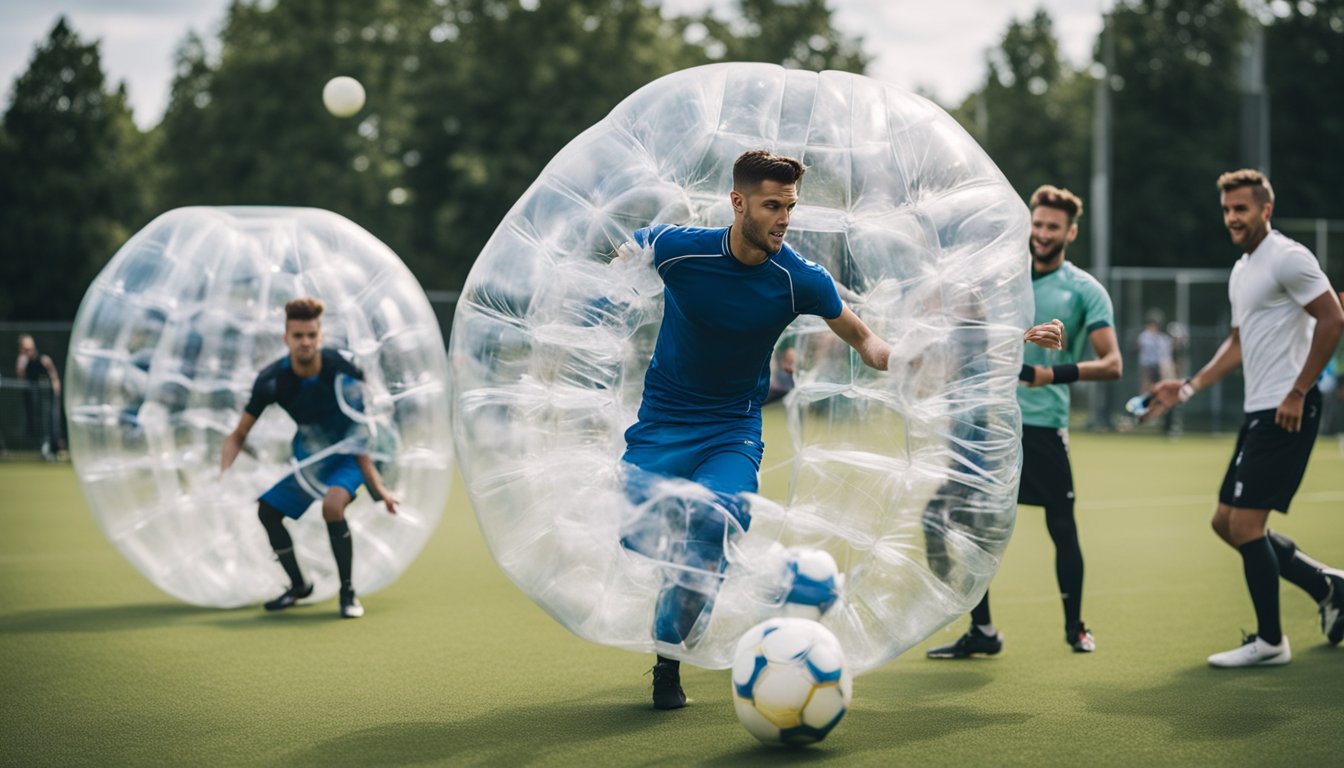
(871, 348)
(1169, 393)
(374, 480)
(233, 444)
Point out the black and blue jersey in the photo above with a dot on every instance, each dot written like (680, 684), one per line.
(311, 402)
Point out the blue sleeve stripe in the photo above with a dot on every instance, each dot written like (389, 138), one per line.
(1099, 325)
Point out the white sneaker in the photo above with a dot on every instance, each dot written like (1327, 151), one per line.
(350, 606)
(1253, 653)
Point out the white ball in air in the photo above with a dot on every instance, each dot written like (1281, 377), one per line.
(343, 96)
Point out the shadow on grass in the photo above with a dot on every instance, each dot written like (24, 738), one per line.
(113, 618)
(561, 732)
(109, 618)
(1201, 703)
(507, 736)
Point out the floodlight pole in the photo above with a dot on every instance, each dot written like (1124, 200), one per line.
(1100, 204)
(1254, 100)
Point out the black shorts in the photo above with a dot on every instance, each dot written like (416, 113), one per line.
(1268, 463)
(1047, 475)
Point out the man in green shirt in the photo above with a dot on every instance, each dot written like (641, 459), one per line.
(1067, 293)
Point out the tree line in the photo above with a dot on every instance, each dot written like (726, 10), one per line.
(468, 100)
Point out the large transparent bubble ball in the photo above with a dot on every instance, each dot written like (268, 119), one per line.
(166, 347)
(908, 478)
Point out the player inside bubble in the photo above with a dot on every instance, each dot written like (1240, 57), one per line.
(729, 293)
(165, 358)
(555, 343)
(314, 385)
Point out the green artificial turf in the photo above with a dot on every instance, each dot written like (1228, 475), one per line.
(453, 666)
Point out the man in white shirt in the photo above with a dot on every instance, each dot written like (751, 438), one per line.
(1286, 321)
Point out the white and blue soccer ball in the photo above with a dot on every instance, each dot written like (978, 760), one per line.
(790, 682)
(814, 582)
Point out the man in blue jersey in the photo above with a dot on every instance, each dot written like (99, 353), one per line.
(729, 293)
(305, 383)
(1065, 292)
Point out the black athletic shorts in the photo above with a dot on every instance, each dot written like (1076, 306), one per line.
(1047, 475)
(1269, 461)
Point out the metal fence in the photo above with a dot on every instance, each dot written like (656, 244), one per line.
(1192, 301)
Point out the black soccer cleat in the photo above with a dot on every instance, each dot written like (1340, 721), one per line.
(1080, 639)
(291, 598)
(667, 693)
(969, 644)
(1332, 608)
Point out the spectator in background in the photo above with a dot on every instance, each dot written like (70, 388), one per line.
(43, 402)
(1155, 353)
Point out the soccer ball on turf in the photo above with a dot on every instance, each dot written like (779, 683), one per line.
(814, 583)
(790, 683)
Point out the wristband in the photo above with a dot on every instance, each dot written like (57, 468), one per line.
(1027, 374)
(1065, 374)
(1300, 392)
(1186, 391)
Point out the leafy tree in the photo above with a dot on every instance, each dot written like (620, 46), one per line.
(796, 34)
(1177, 111)
(1305, 77)
(1033, 114)
(508, 84)
(74, 187)
(249, 127)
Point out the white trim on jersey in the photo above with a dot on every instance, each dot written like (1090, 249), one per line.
(793, 300)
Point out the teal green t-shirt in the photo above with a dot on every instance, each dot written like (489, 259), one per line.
(1078, 300)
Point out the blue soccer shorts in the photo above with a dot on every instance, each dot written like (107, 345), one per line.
(299, 489)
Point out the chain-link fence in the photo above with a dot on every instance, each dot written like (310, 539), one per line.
(1190, 304)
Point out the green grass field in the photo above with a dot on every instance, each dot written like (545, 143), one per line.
(454, 666)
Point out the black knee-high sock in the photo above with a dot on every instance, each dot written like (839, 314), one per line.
(1296, 567)
(1059, 520)
(344, 550)
(274, 523)
(980, 613)
(1262, 579)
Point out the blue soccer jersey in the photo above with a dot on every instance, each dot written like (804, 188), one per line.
(721, 320)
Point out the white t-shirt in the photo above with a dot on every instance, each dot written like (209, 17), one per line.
(1268, 289)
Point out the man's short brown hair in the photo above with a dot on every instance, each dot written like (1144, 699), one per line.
(1248, 177)
(758, 165)
(1061, 199)
(306, 308)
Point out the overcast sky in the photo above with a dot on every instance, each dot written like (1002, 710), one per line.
(936, 45)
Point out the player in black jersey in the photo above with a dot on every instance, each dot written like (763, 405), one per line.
(333, 461)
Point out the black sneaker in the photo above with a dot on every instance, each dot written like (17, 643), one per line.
(1332, 609)
(969, 644)
(1080, 639)
(350, 606)
(291, 598)
(667, 692)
